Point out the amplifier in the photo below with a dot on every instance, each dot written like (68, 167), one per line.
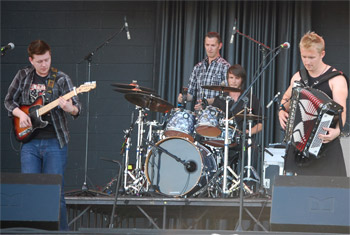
(273, 166)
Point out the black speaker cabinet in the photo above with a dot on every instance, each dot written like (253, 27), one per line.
(30, 200)
(311, 204)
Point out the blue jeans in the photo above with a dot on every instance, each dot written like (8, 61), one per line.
(46, 156)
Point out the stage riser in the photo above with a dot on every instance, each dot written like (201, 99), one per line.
(167, 217)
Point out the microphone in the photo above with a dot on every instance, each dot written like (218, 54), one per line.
(273, 100)
(285, 45)
(126, 27)
(190, 166)
(234, 31)
(8, 47)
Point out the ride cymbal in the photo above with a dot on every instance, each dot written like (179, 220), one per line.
(250, 116)
(133, 90)
(222, 88)
(149, 101)
(132, 86)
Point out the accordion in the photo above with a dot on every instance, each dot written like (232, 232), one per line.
(310, 111)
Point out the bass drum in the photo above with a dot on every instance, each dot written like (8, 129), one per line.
(169, 176)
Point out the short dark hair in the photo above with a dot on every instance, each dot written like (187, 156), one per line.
(38, 47)
(238, 71)
(213, 35)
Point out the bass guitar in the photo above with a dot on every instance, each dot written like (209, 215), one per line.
(36, 110)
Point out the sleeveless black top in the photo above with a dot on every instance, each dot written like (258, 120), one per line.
(324, 86)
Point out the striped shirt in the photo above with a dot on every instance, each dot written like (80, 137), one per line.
(208, 74)
(18, 95)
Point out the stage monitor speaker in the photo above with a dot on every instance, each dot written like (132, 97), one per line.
(311, 204)
(30, 200)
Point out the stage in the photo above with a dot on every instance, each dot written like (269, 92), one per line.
(168, 213)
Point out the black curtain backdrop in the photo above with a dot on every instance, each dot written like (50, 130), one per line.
(166, 42)
(181, 35)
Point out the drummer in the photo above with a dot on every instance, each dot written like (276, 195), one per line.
(210, 71)
(236, 78)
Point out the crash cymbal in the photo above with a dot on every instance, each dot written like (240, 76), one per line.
(132, 86)
(222, 88)
(149, 101)
(133, 90)
(250, 116)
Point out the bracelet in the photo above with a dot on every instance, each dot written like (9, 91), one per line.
(282, 108)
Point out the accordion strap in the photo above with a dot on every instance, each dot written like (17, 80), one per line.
(323, 78)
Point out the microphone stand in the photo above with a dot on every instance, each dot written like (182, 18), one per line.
(186, 164)
(243, 96)
(264, 50)
(88, 58)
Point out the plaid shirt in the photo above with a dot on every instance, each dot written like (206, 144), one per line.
(18, 94)
(208, 74)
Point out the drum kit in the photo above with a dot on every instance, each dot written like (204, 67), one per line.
(186, 155)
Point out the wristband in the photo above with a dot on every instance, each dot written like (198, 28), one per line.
(282, 108)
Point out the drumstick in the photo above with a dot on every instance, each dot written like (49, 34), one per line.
(234, 128)
(236, 114)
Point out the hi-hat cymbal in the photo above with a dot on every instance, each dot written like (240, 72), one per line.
(133, 90)
(250, 116)
(149, 101)
(132, 86)
(222, 88)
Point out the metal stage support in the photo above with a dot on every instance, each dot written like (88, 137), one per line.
(168, 213)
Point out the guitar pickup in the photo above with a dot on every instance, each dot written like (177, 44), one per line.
(26, 131)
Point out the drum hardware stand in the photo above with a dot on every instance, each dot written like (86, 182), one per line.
(224, 183)
(249, 167)
(126, 145)
(137, 176)
(190, 166)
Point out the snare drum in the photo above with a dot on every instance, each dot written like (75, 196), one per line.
(181, 124)
(169, 176)
(219, 142)
(208, 122)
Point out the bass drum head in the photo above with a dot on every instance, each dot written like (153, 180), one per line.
(169, 176)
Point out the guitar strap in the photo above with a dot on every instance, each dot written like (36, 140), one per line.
(50, 84)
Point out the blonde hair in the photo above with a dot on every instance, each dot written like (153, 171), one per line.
(312, 39)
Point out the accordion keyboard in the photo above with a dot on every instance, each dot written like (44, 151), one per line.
(316, 144)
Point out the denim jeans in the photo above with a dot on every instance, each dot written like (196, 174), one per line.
(46, 156)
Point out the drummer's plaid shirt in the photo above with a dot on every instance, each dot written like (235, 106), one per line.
(208, 74)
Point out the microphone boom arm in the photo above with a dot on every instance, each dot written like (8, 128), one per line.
(88, 57)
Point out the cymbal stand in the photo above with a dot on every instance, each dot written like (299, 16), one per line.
(249, 167)
(127, 151)
(137, 175)
(236, 179)
(140, 132)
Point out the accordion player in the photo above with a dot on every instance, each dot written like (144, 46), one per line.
(310, 111)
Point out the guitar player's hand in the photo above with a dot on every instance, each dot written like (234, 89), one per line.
(67, 106)
(24, 119)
